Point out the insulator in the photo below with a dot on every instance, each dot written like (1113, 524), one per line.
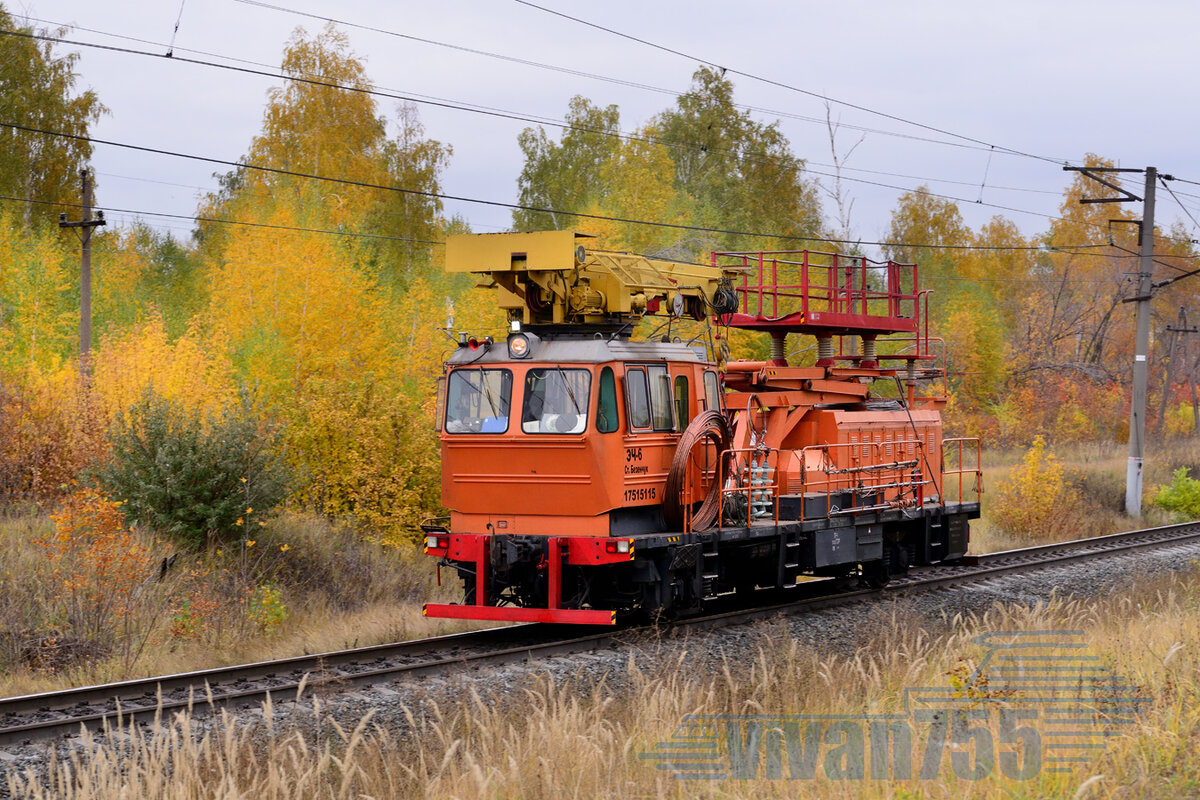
(778, 346)
(868, 349)
(824, 348)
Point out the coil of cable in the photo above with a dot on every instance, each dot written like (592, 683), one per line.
(709, 427)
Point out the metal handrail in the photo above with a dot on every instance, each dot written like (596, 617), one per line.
(734, 462)
(879, 473)
(836, 293)
(874, 475)
(977, 470)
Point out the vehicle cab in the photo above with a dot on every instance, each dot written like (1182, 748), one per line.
(574, 436)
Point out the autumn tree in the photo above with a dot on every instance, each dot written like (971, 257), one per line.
(322, 328)
(740, 173)
(143, 274)
(703, 163)
(1076, 319)
(638, 181)
(323, 123)
(566, 175)
(926, 230)
(37, 90)
(38, 298)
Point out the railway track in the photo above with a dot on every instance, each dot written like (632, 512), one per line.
(61, 713)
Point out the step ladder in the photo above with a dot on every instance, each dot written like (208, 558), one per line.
(789, 559)
(709, 571)
(936, 530)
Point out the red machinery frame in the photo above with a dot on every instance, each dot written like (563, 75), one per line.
(822, 292)
(473, 548)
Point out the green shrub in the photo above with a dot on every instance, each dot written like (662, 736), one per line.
(1181, 495)
(194, 479)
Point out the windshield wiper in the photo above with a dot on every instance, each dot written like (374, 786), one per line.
(567, 386)
(483, 390)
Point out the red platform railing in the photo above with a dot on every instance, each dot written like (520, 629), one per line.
(804, 290)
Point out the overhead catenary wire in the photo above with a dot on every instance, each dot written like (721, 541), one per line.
(442, 195)
(609, 79)
(221, 221)
(536, 120)
(918, 190)
(1167, 186)
(217, 220)
(779, 84)
(922, 190)
(368, 89)
(504, 204)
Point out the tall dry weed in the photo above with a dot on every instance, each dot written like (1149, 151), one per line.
(579, 737)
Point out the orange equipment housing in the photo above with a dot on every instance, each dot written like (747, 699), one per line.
(588, 475)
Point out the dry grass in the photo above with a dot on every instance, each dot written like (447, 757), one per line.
(556, 740)
(334, 591)
(1097, 471)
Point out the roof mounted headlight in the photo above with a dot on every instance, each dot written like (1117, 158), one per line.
(521, 344)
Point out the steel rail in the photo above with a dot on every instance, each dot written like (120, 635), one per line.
(61, 713)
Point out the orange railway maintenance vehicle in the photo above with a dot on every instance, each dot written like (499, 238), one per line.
(590, 476)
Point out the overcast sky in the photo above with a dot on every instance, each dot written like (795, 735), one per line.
(1050, 78)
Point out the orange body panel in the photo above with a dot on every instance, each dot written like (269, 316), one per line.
(861, 446)
(560, 485)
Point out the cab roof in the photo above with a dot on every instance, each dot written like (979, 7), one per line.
(596, 350)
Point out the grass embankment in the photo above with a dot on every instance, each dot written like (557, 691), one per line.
(1094, 477)
(301, 586)
(583, 739)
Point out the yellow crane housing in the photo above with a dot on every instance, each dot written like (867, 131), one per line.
(552, 278)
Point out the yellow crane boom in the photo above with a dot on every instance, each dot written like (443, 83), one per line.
(551, 277)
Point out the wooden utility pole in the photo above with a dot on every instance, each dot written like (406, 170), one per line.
(85, 224)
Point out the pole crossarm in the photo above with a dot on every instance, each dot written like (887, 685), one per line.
(86, 223)
(1090, 172)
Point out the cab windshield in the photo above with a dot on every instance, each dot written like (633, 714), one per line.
(477, 400)
(556, 400)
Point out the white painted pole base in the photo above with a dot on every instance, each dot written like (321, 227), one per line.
(1133, 487)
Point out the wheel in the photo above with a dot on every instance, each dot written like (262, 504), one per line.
(877, 574)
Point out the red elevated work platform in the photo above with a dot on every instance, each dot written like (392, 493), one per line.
(822, 294)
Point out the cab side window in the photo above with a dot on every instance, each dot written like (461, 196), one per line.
(606, 414)
(682, 409)
(712, 391)
(637, 399)
(661, 411)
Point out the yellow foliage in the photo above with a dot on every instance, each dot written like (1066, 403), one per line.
(190, 372)
(38, 320)
(641, 181)
(1037, 499)
(975, 348)
(1179, 421)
